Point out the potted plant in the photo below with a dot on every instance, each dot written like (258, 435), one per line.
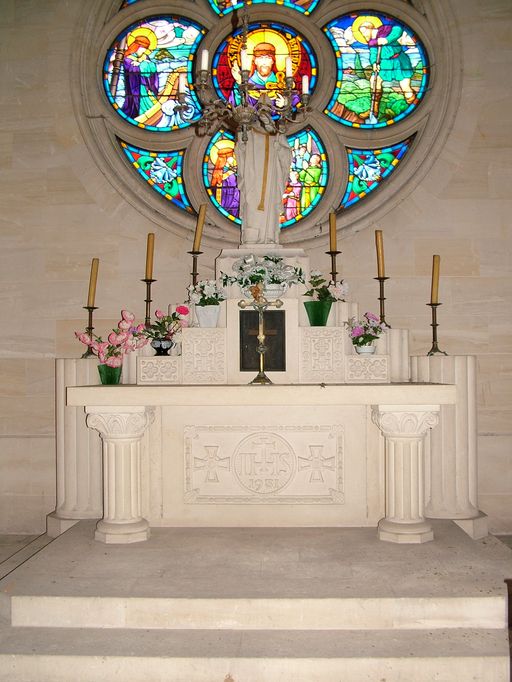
(125, 338)
(365, 331)
(323, 295)
(165, 328)
(206, 296)
(270, 271)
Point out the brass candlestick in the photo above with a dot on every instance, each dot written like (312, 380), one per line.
(382, 298)
(89, 329)
(149, 282)
(434, 325)
(260, 303)
(334, 272)
(194, 273)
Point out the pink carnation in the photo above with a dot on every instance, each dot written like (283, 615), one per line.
(182, 310)
(118, 339)
(114, 361)
(84, 338)
(159, 314)
(127, 315)
(124, 325)
(371, 316)
(357, 331)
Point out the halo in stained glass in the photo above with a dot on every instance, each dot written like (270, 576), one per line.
(268, 46)
(223, 7)
(305, 185)
(163, 171)
(142, 69)
(367, 168)
(382, 70)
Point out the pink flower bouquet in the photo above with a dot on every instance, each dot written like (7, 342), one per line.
(124, 339)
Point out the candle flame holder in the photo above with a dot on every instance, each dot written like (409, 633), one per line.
(194, 274)
(382, 298)
(89, 329)
(435, 348)
(149, 282)
(260, 303)
(334, 272)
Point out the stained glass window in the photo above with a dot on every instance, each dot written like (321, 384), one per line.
(369, 167)
(163, 171)
(141, 73)
(382, 70)
(382, 76)
(226, 6)
(305, 186)
(269, 45)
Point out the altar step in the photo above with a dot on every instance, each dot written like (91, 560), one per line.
(257, 605)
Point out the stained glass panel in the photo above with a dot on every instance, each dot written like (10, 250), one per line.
(306, 182)
(369, 167)
(382, 70)
(142, 69)
(225, 6)
(268, 45)
(163, 171)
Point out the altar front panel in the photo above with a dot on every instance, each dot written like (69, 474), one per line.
(257, 465)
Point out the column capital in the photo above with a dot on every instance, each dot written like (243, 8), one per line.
(400, 421)
(119, 422)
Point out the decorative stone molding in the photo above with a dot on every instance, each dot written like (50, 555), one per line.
(203, 356)
(264, 464)
(321, 355)
(121, 430)
(371, 370)
(159, 370)
(404, 431)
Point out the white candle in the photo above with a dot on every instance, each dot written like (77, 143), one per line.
(305, 85)
(182, 83)
(245, 60)
(288, 67)
(204, 60)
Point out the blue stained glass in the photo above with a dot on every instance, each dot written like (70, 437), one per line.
(306, 183)
(142, 70)
(367, 168)
(163, 171)
(382, 70)
(225, 6)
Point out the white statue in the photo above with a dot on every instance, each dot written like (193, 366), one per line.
(263, 168)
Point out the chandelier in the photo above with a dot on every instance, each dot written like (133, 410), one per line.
(253, 105)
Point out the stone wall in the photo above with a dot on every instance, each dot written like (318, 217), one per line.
(58, 211)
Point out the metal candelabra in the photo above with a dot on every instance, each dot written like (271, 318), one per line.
(334, 272)
(382, 298)
(194, 274)
(89, 329)
(149, 282)
(435, 348)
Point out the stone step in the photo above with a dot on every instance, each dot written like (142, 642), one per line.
(96, 655)
(259, 613)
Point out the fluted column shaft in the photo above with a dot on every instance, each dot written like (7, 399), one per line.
(121, 430)
(404, 431)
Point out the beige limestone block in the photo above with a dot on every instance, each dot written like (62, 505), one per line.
(495, 471)
(27, 466)
(495, 383)
(28, 416)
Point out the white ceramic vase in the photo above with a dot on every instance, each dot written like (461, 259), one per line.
(369, 349)
(207, 315)
(274, 291)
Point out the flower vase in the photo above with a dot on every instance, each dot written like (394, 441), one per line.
(368, 349)
(274, 291)
(318, 312)
(207, 315)
(161, 346)
(109, 375)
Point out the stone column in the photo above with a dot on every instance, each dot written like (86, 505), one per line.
(452, 461)
(78, 451)
(404, 429)
(121, 430)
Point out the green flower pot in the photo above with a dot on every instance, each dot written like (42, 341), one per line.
(318, 312)
(109, 375)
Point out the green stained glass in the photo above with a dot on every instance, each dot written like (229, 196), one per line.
(225, 6)
(382, 70)
(369, 167)
(163, 171)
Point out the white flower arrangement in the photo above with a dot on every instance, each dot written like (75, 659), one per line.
(320, 290)
(252, 270)
(206, 292)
